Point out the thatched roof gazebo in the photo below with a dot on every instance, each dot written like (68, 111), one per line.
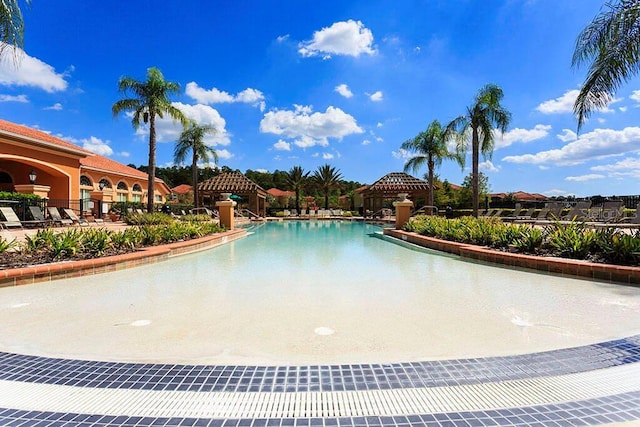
(237, 184)
(379, 194)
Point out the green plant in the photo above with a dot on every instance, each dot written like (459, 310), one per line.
(42, 240)
(6, 245)
(66, 244)
(529, 239)
(96, 241)
(571, 240)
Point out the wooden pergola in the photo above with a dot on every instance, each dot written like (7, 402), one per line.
(237, 184)
(381, 193)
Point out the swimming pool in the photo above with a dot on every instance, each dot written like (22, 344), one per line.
(312, 292)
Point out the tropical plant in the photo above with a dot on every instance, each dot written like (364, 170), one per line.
(431, 149)
(610, 41)
(296, 179)
(192, 139)
(572, 240)
(477, 127)
(11, 27)
(150, 100)
(7, 245)
(327, 178)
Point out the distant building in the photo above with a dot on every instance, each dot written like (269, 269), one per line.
(282, 197)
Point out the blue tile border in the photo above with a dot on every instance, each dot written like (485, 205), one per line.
(325, 378)
(617, 408)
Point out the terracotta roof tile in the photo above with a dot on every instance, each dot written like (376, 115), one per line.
(38, 135)
(276, 192)
(182, 189)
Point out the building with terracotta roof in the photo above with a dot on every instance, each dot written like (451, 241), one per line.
(35, 162)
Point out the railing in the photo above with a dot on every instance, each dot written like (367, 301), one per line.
(433, 210)
(251, 214)
(382, 213)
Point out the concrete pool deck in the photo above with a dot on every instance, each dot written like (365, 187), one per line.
(587, 385)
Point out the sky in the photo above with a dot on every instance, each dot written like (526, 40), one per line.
(340, 82)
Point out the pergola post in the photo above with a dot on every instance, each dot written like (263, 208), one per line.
(403, 210)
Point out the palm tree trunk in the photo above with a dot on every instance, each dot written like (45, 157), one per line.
(152, 162)
(326, 199)
(194, 178)
(475, 154)
(431, 167)
(297, 199)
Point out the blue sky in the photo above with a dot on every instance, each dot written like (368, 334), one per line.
(289, 82)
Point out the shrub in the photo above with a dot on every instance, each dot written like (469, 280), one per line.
(155, 218)
(195, 218)
(571, 240)
(6, 245)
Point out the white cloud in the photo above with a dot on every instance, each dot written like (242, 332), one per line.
(567, 135)
(124, 154)
(167, 130)
(307, 128)
(376, 96)
(281, 39)
(282, 145)
(556, 192)
(366, 142)
(327, 156)
(56, 107)
(583, 178)
(216, 96)
(14, 98)
(598, 144)
(96, 145)
(623, 109)
(562, 104)
(488, 166)
(342, 38)
(379, 124)
(30, 72)
(224, 154)
(635, 95)
(521, 135)
(402, 154)
(625, 164)
(344, 90)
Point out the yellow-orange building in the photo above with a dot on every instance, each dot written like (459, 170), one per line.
(66, 172)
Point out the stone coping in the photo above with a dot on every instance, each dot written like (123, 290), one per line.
(148, 255)
(560, 266)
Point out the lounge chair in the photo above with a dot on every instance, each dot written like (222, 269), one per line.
(513, 215)
(38, 216)
(10, 218)
(75, 218)
(55, 216)
(579, 212)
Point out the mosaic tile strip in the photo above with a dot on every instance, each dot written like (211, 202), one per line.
(610, 409)
(97, 374)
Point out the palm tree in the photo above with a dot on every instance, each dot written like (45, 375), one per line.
(431, 149)
(485, 113)
(611, 41)
(296, 179)
(150, 100)
(192, 139)
(327, 178)
(11, 25)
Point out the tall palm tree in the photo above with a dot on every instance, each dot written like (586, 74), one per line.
(611, 42)
(327, 178)
(11, 25)
(151, 99)
(431, 149)
(478, 124)
(296, 178)
(192, 139)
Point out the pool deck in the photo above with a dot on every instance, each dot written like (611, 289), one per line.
(594, 384)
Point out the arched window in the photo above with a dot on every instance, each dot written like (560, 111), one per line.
(137, 193)
(6, 183)
(122, 191)
(85, 180)
(104, 183)
(85, 187)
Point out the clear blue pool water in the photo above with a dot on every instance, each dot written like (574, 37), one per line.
(312, 292)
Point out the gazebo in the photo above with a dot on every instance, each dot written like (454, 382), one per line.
(237, 184)
(376, 196)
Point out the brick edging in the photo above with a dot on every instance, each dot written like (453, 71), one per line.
(87, 267)
(560, 266)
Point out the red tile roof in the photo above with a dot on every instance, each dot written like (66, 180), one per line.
(276, 192)
(182, 189)
(34, 134)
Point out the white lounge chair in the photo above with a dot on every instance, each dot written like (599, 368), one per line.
(75, 218)
(55, 216)
(10, 218)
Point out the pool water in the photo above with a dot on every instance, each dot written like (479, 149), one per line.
(312, 292)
